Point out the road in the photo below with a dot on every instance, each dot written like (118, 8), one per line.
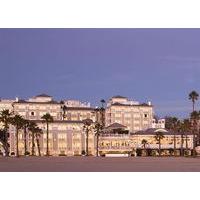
(101, 164)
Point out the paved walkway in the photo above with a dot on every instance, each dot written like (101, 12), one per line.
(101, 164)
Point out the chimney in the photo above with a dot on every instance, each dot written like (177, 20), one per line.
(17, 99)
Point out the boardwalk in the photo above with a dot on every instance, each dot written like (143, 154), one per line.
(92, 164)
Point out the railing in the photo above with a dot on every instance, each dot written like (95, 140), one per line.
(115, 135)
(115, 148)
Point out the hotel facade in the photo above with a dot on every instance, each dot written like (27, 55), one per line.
(67, 135)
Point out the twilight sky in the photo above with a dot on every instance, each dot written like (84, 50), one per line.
(160, 65)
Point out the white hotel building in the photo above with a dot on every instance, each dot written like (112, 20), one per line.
(66, 135)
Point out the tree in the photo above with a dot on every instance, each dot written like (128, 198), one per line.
(103, 103)
(158, 137)
(48, 119)
(87, 126)
(38, 132)
(193, 96)
(5, 119)
(99, 124)
(25, 127)
(97, 129)
(181, 131)
(186, 130)
(172, 124)
(102, 112)
(18, 122)
(144, 143)
(64, 108)
(32, 128)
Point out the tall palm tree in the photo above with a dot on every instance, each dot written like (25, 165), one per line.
(25, 127)
(181, 129)
(159, 137)
(5, 119)
(32, 128)
(87, 126)
(18, 122)
(144, 143)
(38, 132)
(186, 130)
(97, 129)
(195, 117)
(193, 96)
(103, 103)
(172, 124)
(48, 119)
(64, 108)
(102, 112)
(100, 123)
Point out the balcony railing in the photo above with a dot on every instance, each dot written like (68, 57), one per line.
(115, 148)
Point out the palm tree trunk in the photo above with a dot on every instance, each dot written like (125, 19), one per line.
(181, 154)
(47, 153)
(97, 150)
(193, 102)
(87, 153)
(25, 142)
(17, 142)
(38, 145)
(7, 149)
(159, 147)
(145, 149)
(194, 138)
(6, 141)
(174, 145)
(33, 144)
(186, 142)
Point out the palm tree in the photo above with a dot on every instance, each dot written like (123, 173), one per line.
(87, 126)
(158, 137)
(186, 129)
(38, 132)
(195, 117)
(103, 103)
(172, 124)
(97, 129)
(48, 119)
(64, 108)
(181, 129)
(25, 127)
(32, 127)
(144, 143)
(18, 122)
(193, 96)
(5, 118)
(102, 112)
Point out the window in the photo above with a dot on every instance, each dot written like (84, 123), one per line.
(145, 115)
(32, 113)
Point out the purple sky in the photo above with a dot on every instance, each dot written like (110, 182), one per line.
(160, 65)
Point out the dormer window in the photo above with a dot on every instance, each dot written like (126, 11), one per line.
(32, 114)
(145, 115)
